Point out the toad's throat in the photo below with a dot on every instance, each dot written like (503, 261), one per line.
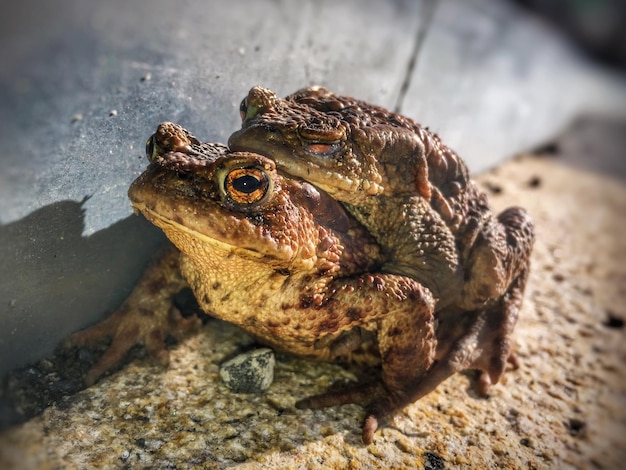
(168, 225)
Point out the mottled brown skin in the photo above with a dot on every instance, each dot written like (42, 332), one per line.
(279, 258)
(415, 196)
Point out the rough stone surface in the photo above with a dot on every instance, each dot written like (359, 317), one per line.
(563, 408)
(250, 372)
(83, 85)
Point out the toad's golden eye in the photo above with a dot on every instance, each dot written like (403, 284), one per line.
(246, 185)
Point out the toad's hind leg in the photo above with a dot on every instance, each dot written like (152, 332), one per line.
(478, 340)
(496, 324)
(496, 320)
(498, 256)
(497, 268)
(481, 337)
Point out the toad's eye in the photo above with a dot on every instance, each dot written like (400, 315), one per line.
(150, 147)
(246, 185)
(322, 149)
(243, 108)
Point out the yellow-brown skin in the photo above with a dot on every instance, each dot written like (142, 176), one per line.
(279, 258)
(415, 197)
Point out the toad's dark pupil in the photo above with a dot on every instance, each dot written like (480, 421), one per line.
(243, 107)
(150, 146)
(246, 184)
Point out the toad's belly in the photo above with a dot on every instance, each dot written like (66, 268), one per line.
(272, 307)
(301, 332)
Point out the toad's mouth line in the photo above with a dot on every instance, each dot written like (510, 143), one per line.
(164, 223)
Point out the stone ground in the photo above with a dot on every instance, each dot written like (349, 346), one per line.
(565, 407)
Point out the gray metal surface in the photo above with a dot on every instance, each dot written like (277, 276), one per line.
(84, 84)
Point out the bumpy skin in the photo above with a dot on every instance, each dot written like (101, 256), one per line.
(415, 197)
(282, 260)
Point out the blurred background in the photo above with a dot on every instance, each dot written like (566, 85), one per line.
(597, 26)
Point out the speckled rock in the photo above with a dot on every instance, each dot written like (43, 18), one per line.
(249, 372)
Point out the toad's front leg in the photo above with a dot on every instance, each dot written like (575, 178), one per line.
(402, 312)
(146, 317)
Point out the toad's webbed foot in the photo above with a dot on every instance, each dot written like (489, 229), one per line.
(485, 379)
(129, 327)
(379, 404)
(146, 318)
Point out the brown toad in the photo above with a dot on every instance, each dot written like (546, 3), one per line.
(415, 197)
(277, 257)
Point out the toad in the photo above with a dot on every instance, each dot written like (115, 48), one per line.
(415, 197)
(278, 257)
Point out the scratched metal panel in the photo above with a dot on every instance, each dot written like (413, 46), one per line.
(83, 84)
